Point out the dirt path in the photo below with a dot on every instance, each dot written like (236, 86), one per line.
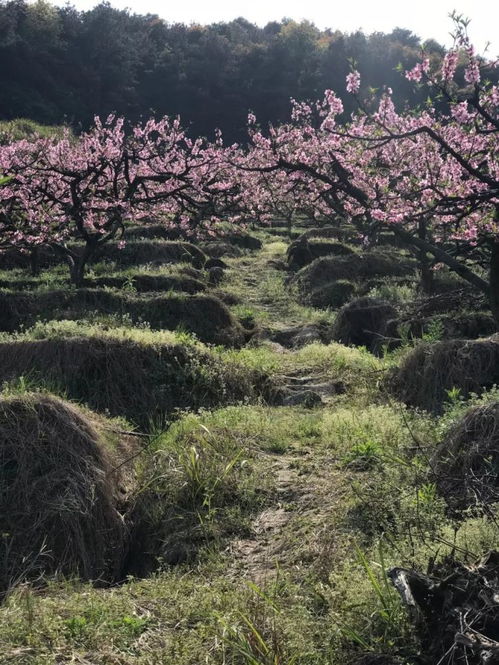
(286, 533)
(289, 533)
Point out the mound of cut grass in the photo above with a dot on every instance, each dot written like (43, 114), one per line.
(363, 322)
(243, 240)
(144, 282)
(204, 315)
(451, 325)
(217, 249)
(12, 258)
(140, 252)
(154, 232)
(339, 233)
(333, 294)
(355, 267)
(466, 463)
(430, 371)
(173, 279)
(135, 252)
(58, 497)
(165, 232)
(141, 375)
(302, 252)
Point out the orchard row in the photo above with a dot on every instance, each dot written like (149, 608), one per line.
(431, 178)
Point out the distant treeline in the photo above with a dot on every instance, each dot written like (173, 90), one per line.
(62, 65)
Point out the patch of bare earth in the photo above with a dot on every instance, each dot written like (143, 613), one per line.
(289, 535)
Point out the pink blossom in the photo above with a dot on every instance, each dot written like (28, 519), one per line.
(472, 72)
(449, 65)
(353, 82)
(416, 73)
(461, 113)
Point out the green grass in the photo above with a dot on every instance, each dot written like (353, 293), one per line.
(68, 329)
(263, 288)
(202, 482)
(323, 500)
(57, 276)
(397, 294)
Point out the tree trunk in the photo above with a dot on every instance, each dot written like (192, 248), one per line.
(78, 264)
(425, 271)
(289, 225)
(441, 255)
(426, 274)
(494, 281)
(33, 260)
(77, 271)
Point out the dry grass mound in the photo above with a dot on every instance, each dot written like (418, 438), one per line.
(139, 252)
(11, 258)
(243, 240)
(135, 252)
(143, 283)
(302, 252)
(218, 249)
(154, 231)
(204, 315)
(57, 497)
(145, 381)
(429, 371)
(363, 322)
(389, 239)
(450, 301)
(26, 284)
(453, 325)
(466, 463)
(341, 234)
(335, 294)
(284, 233)
(189, 271)
(355, 267)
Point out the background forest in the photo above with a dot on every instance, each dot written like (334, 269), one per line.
(63, 65)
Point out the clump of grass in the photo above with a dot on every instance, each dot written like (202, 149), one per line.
(376, 622)
(201, 483)
(397, 294)
(383, 428)
(357, 369)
